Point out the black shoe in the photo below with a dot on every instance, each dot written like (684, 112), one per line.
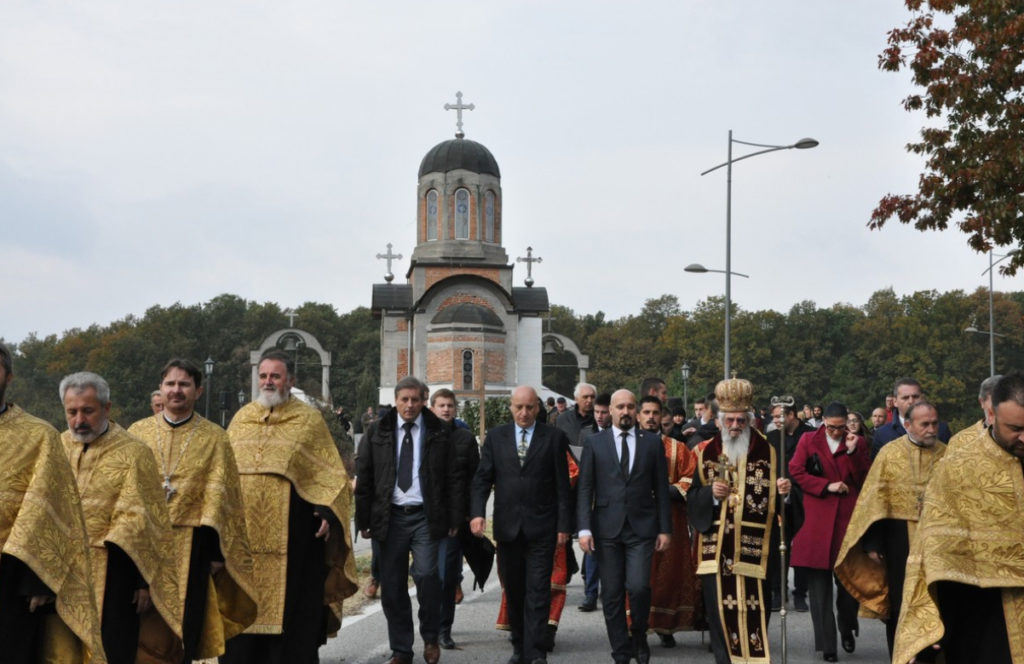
(849, 645)
(445, 641)
(641, 651)
(667, 640)
(589, 604)
(830, 657)
(800, 603)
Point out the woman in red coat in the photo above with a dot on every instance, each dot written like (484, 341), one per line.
(830, 465)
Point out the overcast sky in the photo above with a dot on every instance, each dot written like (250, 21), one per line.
(162, 152)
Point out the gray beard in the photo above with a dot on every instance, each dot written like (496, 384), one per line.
(271, 398)
(736, 448)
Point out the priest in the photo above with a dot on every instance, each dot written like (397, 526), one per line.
(46, 597)
(126, 523)
(732, 503)
(199, 481)
(964, 591)
(873, 557)
(297, 508)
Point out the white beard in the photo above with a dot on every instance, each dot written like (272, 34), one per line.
(271, 398)
(736, 448)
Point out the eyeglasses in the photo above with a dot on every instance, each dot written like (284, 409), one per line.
(833, 427)
(735, 420)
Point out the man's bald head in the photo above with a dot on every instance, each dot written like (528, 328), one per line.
(524, 406)
(623, 409)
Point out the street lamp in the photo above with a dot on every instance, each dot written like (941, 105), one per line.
(685, 370)
(700, 269)
(208, 365)
(241, 398)
(802, 144)
(991, 312)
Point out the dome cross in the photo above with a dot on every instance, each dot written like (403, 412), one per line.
(458, 107)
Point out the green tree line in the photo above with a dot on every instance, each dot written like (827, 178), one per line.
(845, 353)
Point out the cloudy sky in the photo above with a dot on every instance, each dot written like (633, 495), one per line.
(162, 152)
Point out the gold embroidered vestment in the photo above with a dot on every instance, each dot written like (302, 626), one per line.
(969, 532)
(41, 523)
(277, 449)
(197, 462)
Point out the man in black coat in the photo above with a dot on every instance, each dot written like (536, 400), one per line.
(406, 500)
(526, 463)
(624, 515)
(906, 392)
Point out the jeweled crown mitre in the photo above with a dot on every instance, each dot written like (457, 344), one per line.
(734, 395)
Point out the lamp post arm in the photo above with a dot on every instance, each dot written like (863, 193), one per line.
(774, 148)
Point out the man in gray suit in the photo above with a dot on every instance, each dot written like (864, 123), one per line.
(624, 516)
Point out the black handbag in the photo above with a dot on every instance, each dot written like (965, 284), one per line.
(814, 466)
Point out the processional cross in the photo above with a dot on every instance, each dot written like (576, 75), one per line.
(389, 256)
(529, 260)
(458, 107)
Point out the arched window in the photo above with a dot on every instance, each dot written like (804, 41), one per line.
(489, 216)
(467, 370)
(462, 214)
(432, 214)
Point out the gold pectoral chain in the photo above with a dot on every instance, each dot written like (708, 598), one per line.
(165, 456)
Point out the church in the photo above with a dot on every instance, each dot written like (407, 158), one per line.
(458, 322)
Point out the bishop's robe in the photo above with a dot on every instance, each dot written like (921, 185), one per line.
(206, 511)
(733, 546)
(967, 559)
(42, 534)
(291, 476)
(124, 508)
(676, 603)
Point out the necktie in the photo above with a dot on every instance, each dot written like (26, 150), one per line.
(522, 447)
(405, 459)
(624, 455)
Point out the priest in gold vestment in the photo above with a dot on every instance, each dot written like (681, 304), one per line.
(126, 522)
(985, 401)
(965, 573)
(44, 561)
(199, 480)
(297, 508)
(732, 503)
(873, 557)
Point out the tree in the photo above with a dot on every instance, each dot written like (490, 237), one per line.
(972, 75)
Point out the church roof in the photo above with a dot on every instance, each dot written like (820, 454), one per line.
(467, 313)
(459, 153)
(530, 300)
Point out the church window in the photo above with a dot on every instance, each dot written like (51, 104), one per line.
(432, 214)
(462, 214)
(467, 370)
(489, 216)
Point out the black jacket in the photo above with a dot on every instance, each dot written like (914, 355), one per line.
(440, 480)
(467, 458)
(532, 497)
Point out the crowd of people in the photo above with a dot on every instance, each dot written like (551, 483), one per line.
(173, 540)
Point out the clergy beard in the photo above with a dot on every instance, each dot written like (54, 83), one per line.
(272, 398)
(736, 447)
(86, 434)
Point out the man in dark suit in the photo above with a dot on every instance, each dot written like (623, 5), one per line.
(407, 501)
(906, 393)
(526, 463)
(624, 516)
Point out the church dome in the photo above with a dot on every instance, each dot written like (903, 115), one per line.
(467, 313)
(459, 153)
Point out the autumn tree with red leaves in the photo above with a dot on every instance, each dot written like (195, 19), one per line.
(968, 56)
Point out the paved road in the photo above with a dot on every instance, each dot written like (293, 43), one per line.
(581, 637)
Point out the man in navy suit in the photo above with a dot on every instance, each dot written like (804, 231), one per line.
(907, 392)
(624, 516)
(527, 464)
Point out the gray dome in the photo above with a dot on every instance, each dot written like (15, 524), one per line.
(459, 153)
(467, 313)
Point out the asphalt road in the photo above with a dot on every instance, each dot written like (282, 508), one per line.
(581, 636)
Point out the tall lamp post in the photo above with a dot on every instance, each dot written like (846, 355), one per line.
(208, 366)
(991, 313)
(685, 371)
(802, 144)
